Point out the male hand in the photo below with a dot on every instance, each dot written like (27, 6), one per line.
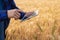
(14, 13)
(31, 14)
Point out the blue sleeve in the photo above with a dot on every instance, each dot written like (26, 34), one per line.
(13, 5)
(3, 15)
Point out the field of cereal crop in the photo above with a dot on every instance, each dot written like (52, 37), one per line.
(45, 26)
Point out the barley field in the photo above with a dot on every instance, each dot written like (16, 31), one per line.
(45, 26)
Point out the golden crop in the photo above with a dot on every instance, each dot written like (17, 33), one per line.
(45, 26)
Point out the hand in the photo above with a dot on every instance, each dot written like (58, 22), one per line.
(33, 13)
(14, 13)
(29, 14)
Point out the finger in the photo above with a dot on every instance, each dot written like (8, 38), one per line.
(18, 13)
(15, 17)
(29, 13)
(18, 16)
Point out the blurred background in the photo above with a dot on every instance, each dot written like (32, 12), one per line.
(45, 26)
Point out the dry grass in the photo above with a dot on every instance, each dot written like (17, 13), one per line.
(45, 26)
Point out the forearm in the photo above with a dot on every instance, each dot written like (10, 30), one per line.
(13, 5)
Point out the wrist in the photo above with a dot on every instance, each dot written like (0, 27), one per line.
(8, 14)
